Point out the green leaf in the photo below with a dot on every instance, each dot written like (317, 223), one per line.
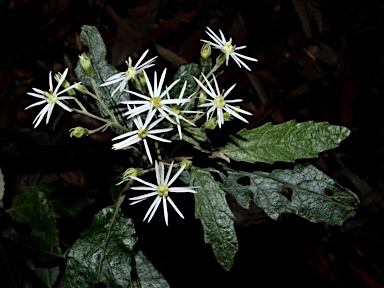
(212, 209)
(197, 138)
(48, 275)
(104, 253)
(148, 276)
(101, 72)
(284, 142)
(185, 73)
(304, 191)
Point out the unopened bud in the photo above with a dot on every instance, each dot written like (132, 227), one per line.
(227, 116)
(86, 64)
(210, 124)
(78, 132)
(81, 88)
(135, 172)
(221, 59)
(205, 51)
(187, 163)
(65, 84)
(202, 97)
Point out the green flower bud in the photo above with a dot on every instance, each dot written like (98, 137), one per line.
(227, 116)
(86, 64)
(78, 132)
(210, 124)
(221, 59)
(202, 97)
(187, 163)
(206, 50)
(65, 84)
(81, 88)
(135, 172)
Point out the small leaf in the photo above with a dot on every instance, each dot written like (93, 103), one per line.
(212, 209)
(48, 275)
(284, 142)
(304, 191)
(197, 138)
(104, 253)
(101, 72)
(185, 73)
(149, 277)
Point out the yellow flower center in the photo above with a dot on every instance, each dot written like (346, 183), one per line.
(162, 190)
(176, 109)
(131, 73)
(142, 133)
(51, 97)
(228, 48)
(156, 102)
(219, 101)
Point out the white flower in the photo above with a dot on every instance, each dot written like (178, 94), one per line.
(50, 98)
(227, 48)
(219, 103)
(155, 101)
(161, 191)
(131, 72)
(143, 131)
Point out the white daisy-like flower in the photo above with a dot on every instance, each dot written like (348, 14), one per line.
(51, 98)
(131, 72)
(155, 101)
(219, 103)
(143, 130)
(228, 48)
(161, 190)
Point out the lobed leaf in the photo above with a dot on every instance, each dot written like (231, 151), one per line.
(102, 70)
(212, 209)
(284, 142)
(304, 191)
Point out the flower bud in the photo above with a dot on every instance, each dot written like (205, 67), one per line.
(210, 124)
(78, 132)
(65, 84)
(187, 163)
(86, 64)
(135, 172)
(202, 97)
(81, 88)
(221, 59)
(205, 51)
(227, 116)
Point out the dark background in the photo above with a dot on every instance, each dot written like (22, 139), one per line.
(318, 60)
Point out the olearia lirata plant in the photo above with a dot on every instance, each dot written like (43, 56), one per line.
(148, 113)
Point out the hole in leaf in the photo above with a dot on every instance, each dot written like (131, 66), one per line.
(328, 192)
(287, 193)
(217, 177)
(245, 181)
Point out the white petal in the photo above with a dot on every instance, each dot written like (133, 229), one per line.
(158, 173)
(169, 173)
(144, 182)
(155, 208)
(36, 104)
(147, 151)
(229, 90)
(145, 196)
(174, 207)
(158, 138)
(165, 210)
(176, 175)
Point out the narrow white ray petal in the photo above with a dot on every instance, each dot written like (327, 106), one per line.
(111, 82)
(154, 208)
(144, 196)
(168, 173)
(223, 38)
(229, 90)
(169, 88)
(62, 78)
(245, 57)
(240, 62)
(147, 151)
(239, 110)
(36, 104)
(145, 65)
(181, 190)
(50, 81)
(38, 91)
(234, 114)
(240, 47)
(165, 115)
(158, 138)
(138, 110)
(155, 94)
(49, 112)
(65, 98)
(210, 93)
(176, 175)
(210, 111)
(138, 201)
(210, 86)
(220, 117)
(149, 86)
(128, 134)
(162, 130)
(68, 88)
(165, 210)
(144, 182)
(149, 118)
(142, 188)
(162, 172)
(214, 36)
(183, 90)
(40, 116)
(233, 101)
(216, 85)
(137, 94)
(141, 58)
(62, 105)
(175, 207)
(158, 176)
(161, 82)
(175, 101)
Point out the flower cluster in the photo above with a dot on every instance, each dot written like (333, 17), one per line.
(148, 107)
